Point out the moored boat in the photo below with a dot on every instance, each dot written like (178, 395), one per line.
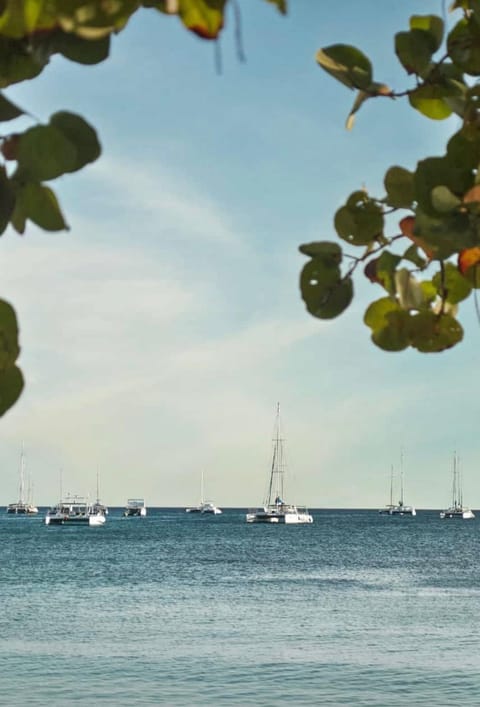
(74, 510)
(23, 506)
(275, 510)
(135, 507)
(457, 510)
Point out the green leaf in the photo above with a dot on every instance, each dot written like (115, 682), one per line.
(388, 323)
(360, 221)
(45, 153)
(9, 347)
(430, 100)
(7, 200)
(347, 64)
(82, 51)
(463, 46)
(456, 287)
(443, 200)
(433, 333)
(323, 250)
(412, 255)
(386, 266)
(414, 50)
(463, 150)
(39, 204)
(17, 63)
(335, 300)
(376, 314)
(8, 110)
(399, 187)
(436, 171)
(432, 25)
(445, 235)
(11, 386)
(316, 279)
(80, 134)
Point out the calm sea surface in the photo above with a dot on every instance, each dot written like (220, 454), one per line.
(174, 609)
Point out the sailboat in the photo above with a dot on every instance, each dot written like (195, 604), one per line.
(275, 509)
(23, 506)
(98, 505)
(400, 509)
(205, 507)
(457, 509)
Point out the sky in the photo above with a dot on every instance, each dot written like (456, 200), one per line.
(160, 331)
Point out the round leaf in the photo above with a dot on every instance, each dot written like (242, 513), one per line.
(432, 333)
(347, 64)
(45, 153)
(80, 134)
(11, 385)
(399, 187)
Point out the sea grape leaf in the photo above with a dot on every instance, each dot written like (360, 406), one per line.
(433, 333)
(80, 134)
(431, 101)
(414, 50)
(45, 153)
(9, 346)
(455, 287)
(463, 46)
(323, 249)
(8, 110)
(39, 204)
(347, 64)
(399, 187)
(360, 221)
(11, 386)
(432, 25)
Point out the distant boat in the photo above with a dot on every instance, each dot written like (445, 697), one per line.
(457, 509)
(275, 509)
(98, 505)
(205, 507)
(74, 510)
(135, 507)
(401, 509)
(23, 506)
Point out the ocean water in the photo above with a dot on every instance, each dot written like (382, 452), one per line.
(175, 609)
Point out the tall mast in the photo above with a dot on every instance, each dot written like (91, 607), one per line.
(275, 489)
(391, 485)
(202, 489)
(454, 482)
(22, 475)
(401, 477)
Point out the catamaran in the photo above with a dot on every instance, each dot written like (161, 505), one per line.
(74, 510)
(275, 509)
(457, 509)
(23, 506)
(401, 509)
(135, 507)
(205, 507)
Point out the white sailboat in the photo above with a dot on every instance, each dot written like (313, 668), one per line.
(275, 509)
(205, 507)
(24, 506)
(457, 509)
(401, 509)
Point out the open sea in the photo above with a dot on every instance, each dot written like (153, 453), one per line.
(177, 609)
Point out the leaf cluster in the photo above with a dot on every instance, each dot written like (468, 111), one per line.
(438, 202)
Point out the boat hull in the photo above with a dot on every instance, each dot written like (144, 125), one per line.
(287, 517)
(459, 514)
(63, 519)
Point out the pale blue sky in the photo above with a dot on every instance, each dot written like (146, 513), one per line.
(159, 333)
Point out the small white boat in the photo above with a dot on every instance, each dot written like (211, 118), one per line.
(457, 509)
(23, 506)
(74, 510)
(205, 507)
(401, 509)
(275, 510)
(135, 508)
